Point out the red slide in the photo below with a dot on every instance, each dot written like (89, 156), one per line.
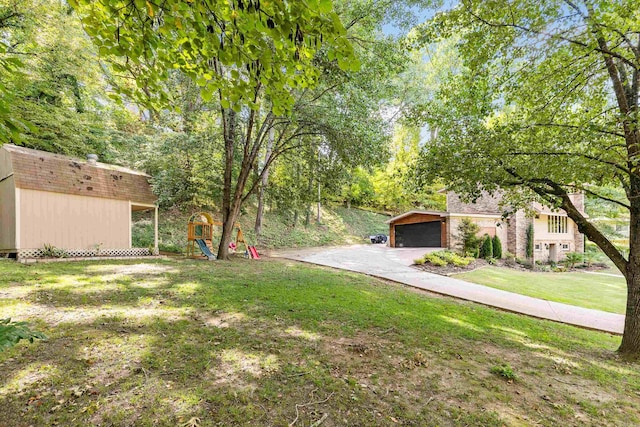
(254, 252)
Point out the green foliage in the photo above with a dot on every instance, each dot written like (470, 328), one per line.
(497, 247)
(486, 248)
(395, 186)
(442, 258)
(510, 259)
(228, 49)
(12, 333)
(546, 97)
(467, 237)
(359, 190)
(573, 258)
(50, 251)
(435, 259)
(529, 241)
(505, 371)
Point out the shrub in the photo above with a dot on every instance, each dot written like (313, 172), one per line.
(418, 261)
(459, 261)
(505, 371)
(486, 250)
(510, 258)
(434, 259)
(497, 247)
(50, 251)
(590, 258)
(468, 236)
(529, 251)
(573, 258)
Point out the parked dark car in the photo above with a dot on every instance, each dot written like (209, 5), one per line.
(378, 238)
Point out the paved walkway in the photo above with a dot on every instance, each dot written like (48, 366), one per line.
(394, 264)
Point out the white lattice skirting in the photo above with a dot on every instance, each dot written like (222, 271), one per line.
(86, 253)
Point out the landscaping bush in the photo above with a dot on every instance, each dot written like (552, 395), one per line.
(434, 259)
(529, 251)
(468, 237)
(573, 258)
(589, 258)
(442, 258)
(486, 250)
(510, 259)
(418, 261)
(497, 247)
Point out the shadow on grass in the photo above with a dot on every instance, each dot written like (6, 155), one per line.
(244, 343)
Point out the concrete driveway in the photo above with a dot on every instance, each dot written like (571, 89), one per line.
(394, 264)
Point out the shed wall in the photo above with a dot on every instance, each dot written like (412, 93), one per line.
(69, 221)
(7, 214)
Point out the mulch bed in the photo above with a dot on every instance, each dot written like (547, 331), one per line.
(451, 269)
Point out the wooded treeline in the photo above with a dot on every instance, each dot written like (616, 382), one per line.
(343, 139)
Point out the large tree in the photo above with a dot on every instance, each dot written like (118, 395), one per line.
(545, 104)
(247, 53)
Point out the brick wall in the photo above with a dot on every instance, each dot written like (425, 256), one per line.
(517, 234)
(486, 204)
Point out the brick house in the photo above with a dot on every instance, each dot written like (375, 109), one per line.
(554, 234)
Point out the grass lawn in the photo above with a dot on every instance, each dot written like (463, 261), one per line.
(597, 291)
(274, 342)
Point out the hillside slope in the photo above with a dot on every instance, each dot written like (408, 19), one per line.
(339, 226)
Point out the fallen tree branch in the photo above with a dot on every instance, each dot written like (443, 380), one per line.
(320, 421)
(292, 423)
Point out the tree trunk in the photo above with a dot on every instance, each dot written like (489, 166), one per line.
(231, 203)
(307, 218)
(229, 130)
(631, 337)
(319, 218)
(263, 186)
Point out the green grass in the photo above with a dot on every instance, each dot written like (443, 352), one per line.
(339, 226)
(253, 342)
(595, 291)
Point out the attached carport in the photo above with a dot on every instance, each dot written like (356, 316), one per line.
(417, 229)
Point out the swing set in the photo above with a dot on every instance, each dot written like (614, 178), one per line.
(200, 235)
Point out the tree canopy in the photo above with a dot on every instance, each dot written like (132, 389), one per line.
(545, 104)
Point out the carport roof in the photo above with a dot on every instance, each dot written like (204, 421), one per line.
(406, 214)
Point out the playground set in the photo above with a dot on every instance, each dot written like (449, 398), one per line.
(200, 234)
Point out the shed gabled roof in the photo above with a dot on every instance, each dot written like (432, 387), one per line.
(406, 214)
(44, 171)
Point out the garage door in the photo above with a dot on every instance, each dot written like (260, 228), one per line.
(423, 234)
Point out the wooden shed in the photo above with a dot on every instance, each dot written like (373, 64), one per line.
(80, 206)
(418, 229)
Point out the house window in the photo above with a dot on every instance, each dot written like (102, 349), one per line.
(537, 246)
(557, 224)
(565, 246)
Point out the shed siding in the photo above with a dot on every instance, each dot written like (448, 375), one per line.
(415, 219)
(69, 221)
(7, 215)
